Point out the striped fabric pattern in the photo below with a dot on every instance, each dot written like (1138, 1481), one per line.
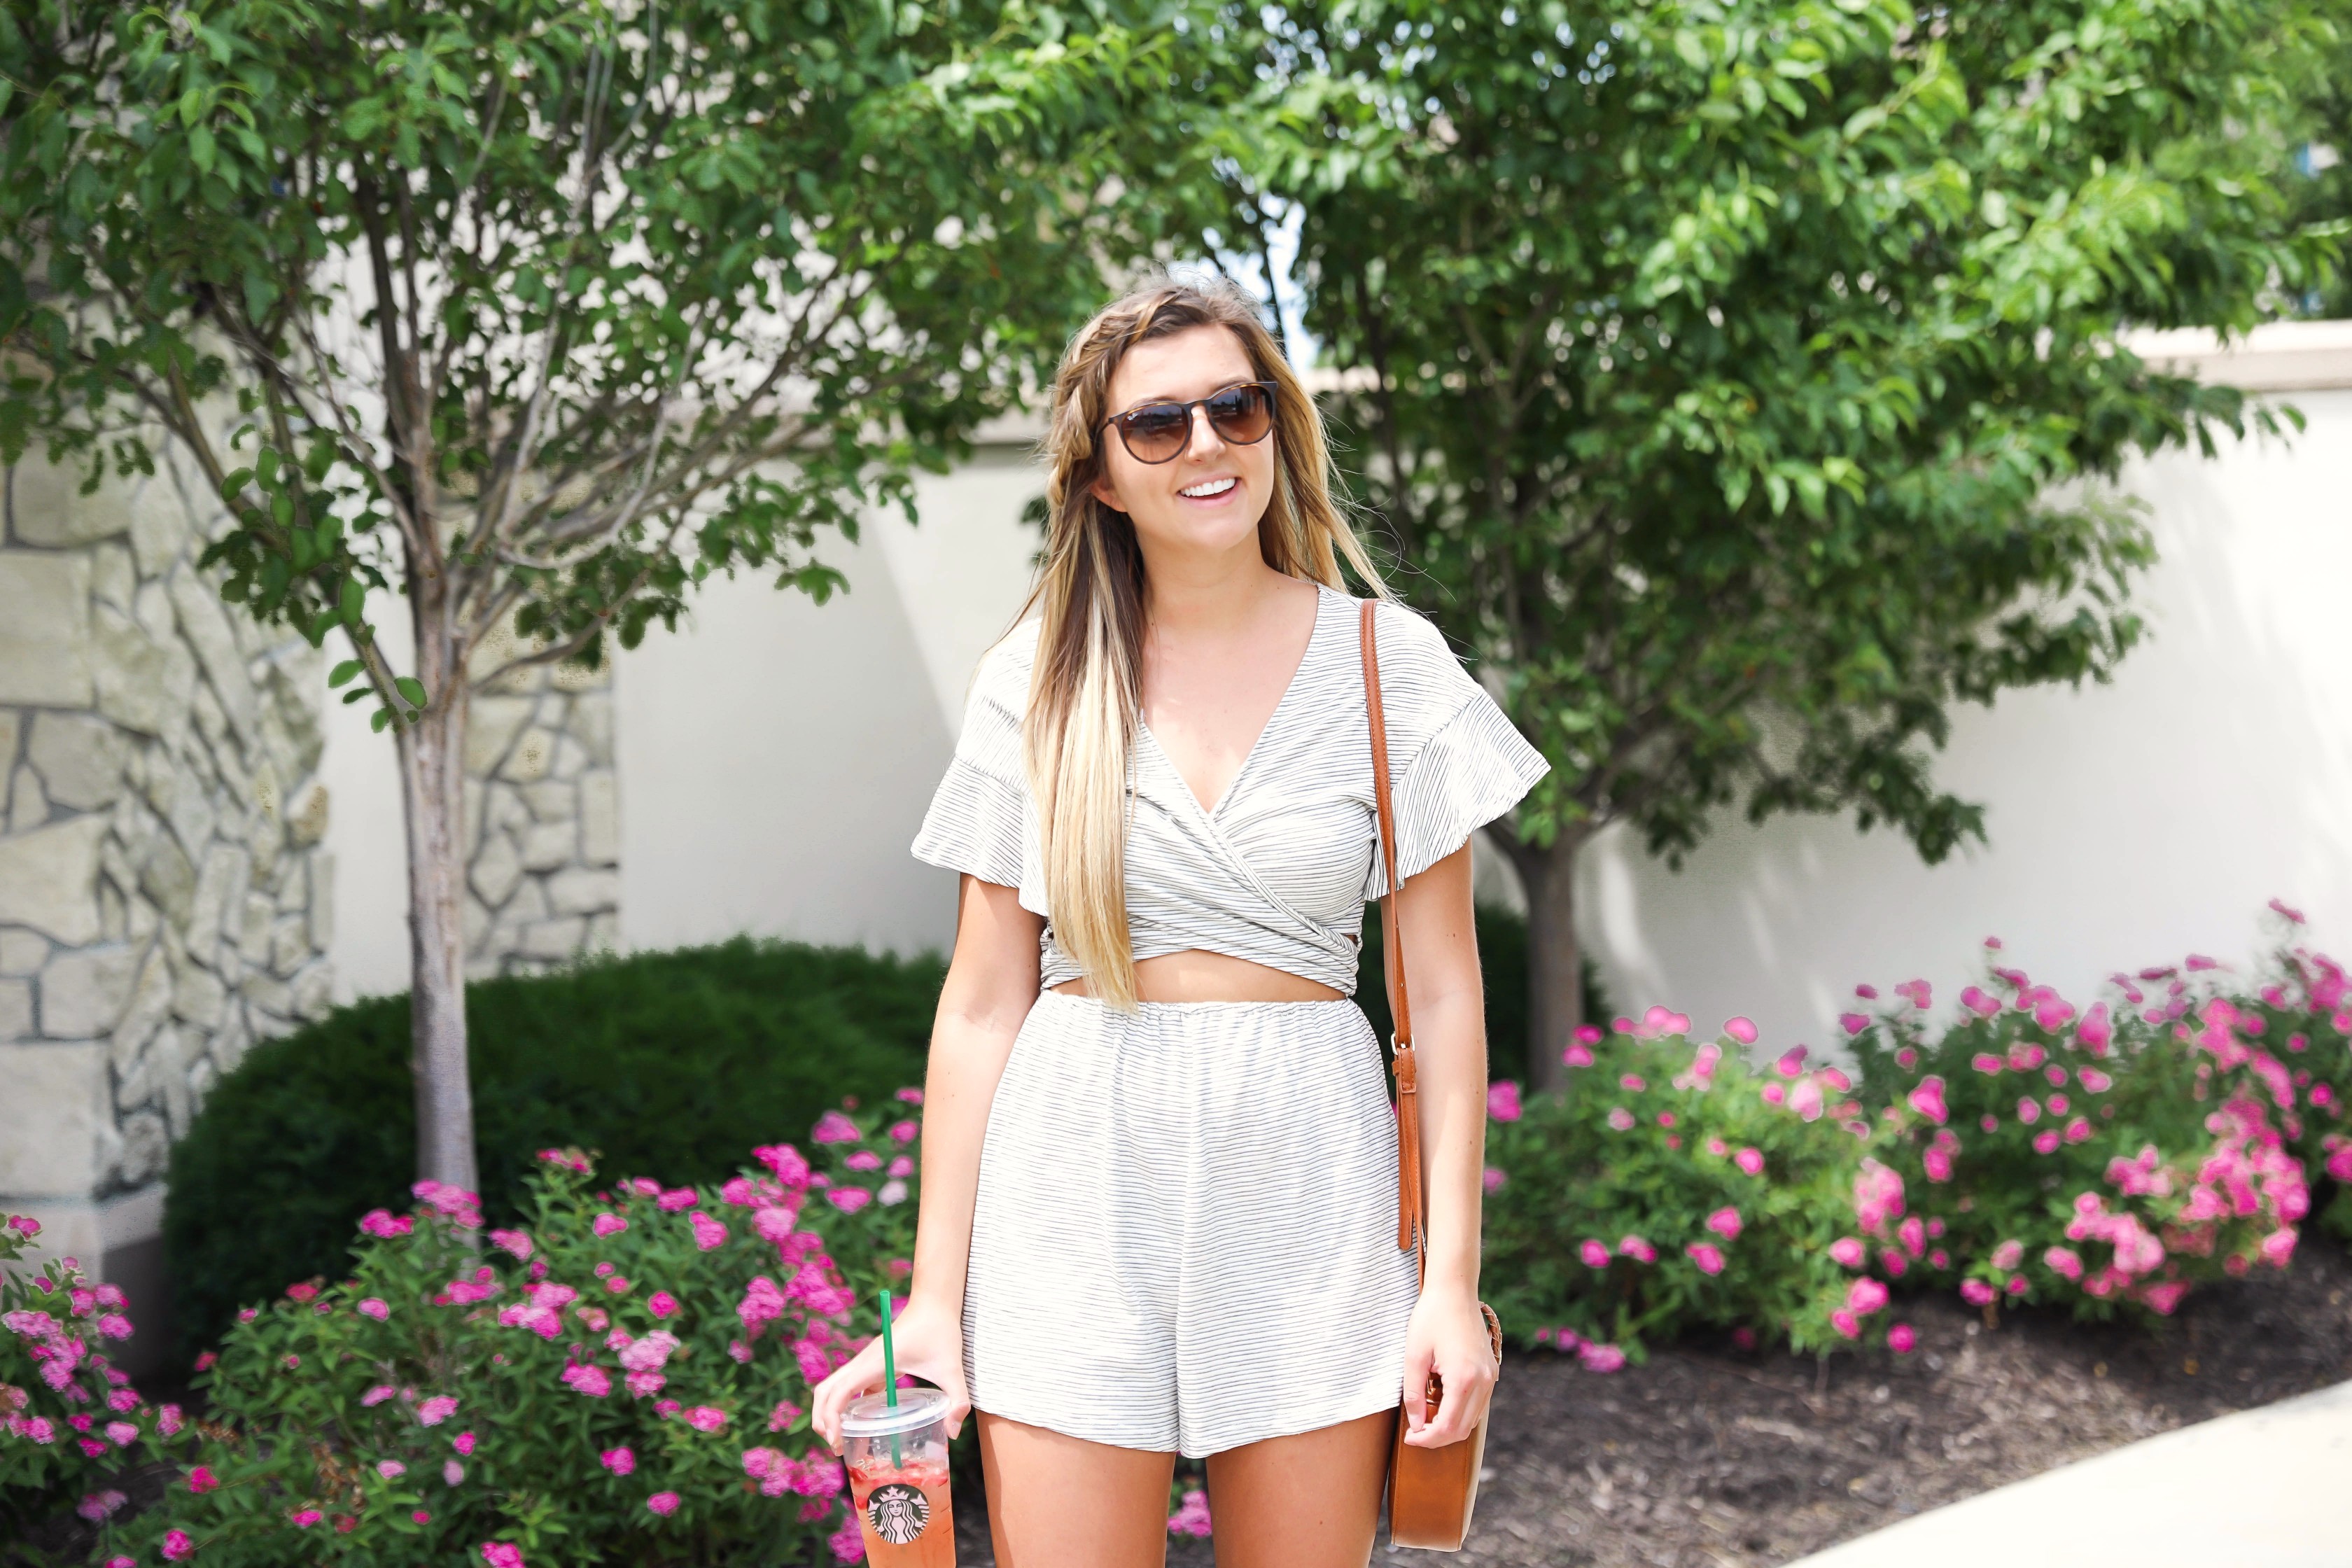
(1185, 1232)
(1278, 872)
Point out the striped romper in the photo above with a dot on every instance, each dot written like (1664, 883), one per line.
(1184, 1236)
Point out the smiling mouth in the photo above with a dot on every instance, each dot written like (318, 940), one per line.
(1209, 488)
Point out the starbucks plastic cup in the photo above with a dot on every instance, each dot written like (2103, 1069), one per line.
(898, 1460)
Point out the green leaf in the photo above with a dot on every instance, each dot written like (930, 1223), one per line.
(379, 719)
(410, 688)
(343, 673)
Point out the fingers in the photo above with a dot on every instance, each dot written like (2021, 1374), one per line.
(1418, 1360)
(1466, 1392)
(860, 1374)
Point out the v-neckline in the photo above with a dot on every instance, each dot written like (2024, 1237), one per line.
(1257, 742)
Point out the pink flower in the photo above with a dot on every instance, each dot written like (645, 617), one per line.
(833, 1127)
(1708, 1257)
(708, 1233)
(176, 1546)
(464, 1443)
(620, 1461)
(592, 1381)
(1192, 1516)
(1740, 1029)
(1621, 1119)
(663, 1503)
(202, 1479)
(168, 1420)
(2064, 1261)
(1913, 1235)
(1493, 1179)
(375, 1306)
(1503, 1100)
(1750, 1161)
(705, 1418)
(608, 1225)
(502, 1554)
(1980, 1002)
(2046, 1142)
(864, 1159)
(1846, 1251)
(1846, 1323)
(1599, 1358)
(2164, 1296)
(1853, 1023)
(1900, 1338)
(1975, 1292)
(848, 1200)
(2008, 1255)
(390, 1469)
(384, 1223)
(121, 1434)
(1638, 1250)
(1928, 1099)
(303, 1518)
(516, 1242)
(1791, 1062)
(1986, 1062)
(1578, 1055)
(1595, 1254)
(848, 1544)
(99, 1506)
(662, 1304)
(1726, 1223)
(435, 1410)
(376, 1396)
(1865, 1297)
(2029, 1109)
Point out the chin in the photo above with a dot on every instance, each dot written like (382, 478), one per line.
(1212, 532)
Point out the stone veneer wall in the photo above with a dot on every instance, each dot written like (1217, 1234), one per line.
(543, 883)
(164, 901)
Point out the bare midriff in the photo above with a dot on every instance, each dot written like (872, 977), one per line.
(1194, 976)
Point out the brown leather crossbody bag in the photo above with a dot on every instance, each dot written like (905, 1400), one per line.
(1431, 1490)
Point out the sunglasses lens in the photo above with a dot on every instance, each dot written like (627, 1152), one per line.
(1242, 414)
(1157, 431)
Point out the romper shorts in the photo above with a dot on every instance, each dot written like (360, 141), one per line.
(1184, 1234)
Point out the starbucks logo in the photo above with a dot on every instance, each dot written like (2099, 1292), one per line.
(897, 1512)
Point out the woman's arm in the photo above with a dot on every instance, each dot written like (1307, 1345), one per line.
(990, 985)
(1449, 1027)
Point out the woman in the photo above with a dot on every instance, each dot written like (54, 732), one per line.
(1158, 1198)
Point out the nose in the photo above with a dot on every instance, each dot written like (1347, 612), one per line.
(1206, 443)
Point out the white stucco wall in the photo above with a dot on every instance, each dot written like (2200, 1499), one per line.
(2129, 824)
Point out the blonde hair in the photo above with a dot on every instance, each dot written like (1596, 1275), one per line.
(1086, 690)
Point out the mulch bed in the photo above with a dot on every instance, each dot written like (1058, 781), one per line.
(1710, 1458)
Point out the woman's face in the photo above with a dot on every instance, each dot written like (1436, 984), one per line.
(1210, 496)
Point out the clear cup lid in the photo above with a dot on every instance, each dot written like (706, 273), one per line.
(873, 1416)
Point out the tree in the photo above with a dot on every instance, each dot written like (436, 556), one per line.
(2323, 196)
(1741, 374)
(535, 314)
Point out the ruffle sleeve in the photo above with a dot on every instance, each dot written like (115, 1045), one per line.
(1460, 765)
(981, 821)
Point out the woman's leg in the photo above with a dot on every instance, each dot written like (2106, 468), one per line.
(1312, 1500)
(1056, 1502)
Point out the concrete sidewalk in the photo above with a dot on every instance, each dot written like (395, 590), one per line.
(2263, 1489)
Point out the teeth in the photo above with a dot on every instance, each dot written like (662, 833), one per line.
(1208, 487)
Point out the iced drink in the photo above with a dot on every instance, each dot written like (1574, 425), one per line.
(897, 1459)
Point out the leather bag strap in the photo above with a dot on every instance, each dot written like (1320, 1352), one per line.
(1409, 1195)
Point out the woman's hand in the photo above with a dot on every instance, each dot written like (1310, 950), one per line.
(927, 1338)
(1448, 1335)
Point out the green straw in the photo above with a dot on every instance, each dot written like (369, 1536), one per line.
(890, 1377)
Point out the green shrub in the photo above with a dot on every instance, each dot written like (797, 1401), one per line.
(673, 1062)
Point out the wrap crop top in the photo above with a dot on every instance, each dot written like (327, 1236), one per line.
(1279, 873)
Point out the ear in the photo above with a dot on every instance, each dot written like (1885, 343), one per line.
(1102, 491)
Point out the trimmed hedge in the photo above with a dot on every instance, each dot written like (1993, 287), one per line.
(671, 1062)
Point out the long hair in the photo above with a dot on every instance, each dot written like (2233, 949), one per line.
(1086, 692)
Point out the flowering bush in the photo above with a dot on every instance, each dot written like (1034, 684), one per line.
(623, 1378)
(70, 1423)
(2094, 1159)
(1666, 1187)
(2118, 1154)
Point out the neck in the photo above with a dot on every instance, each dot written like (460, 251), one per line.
(1189, 593)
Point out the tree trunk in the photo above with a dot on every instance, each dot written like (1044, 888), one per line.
(433, 783)
(1555, 961)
